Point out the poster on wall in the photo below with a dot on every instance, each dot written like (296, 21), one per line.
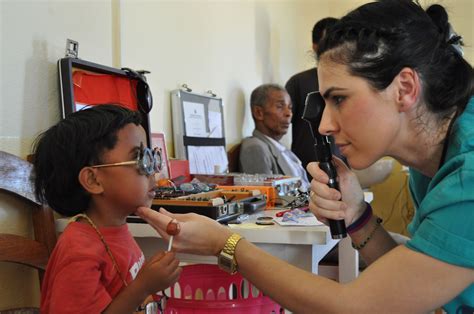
(158, 140)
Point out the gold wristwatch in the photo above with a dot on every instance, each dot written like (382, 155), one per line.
(226, 259)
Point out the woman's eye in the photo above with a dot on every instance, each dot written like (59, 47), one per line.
(337, 100)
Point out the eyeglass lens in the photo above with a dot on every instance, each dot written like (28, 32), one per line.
(150, 161)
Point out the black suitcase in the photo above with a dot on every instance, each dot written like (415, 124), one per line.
(83, 83)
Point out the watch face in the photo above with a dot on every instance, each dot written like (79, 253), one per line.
(226, 262)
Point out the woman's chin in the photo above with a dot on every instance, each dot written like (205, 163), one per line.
(375, 173)
(359, 163)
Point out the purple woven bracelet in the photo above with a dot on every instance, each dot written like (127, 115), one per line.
(361, 221)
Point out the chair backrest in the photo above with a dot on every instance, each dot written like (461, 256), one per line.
(233, 156)
(16, 180)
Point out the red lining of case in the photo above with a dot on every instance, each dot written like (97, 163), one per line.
(94, 89)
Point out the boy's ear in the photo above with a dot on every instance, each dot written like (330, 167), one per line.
(408, 89)
(89, 181)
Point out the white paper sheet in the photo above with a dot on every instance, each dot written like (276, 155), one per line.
(215, 124)
(202, 159)
(194, 119)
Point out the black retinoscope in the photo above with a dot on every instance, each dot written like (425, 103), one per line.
(313, 112)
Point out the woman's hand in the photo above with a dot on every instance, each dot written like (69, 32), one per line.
(198, 234)
(328, 203)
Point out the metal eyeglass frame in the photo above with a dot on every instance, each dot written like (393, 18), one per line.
(149, 161)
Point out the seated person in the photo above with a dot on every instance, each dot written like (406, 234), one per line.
(262, 152)
(94, 166)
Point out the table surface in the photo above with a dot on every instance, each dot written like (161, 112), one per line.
(251, 231)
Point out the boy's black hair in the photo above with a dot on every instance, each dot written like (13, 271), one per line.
(63, 150)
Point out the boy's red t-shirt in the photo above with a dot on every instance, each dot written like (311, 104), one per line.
(80, 276)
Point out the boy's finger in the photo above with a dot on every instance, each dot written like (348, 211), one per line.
(176, 274)
(174, 264)
(157, 257)
(168, 258)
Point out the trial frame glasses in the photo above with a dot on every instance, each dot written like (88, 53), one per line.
(148, 162)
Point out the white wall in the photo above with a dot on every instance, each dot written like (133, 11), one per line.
(33, 38)
(229, 47)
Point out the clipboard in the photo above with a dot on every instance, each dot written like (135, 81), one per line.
(198, 131)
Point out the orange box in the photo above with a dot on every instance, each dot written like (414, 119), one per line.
(268, 191)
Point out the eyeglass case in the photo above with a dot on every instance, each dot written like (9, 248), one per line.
(83, 83)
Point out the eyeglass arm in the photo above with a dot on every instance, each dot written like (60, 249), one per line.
(123, 163)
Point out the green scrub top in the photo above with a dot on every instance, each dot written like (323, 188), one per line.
(443, 225)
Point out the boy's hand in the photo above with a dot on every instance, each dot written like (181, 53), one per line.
(160, 272)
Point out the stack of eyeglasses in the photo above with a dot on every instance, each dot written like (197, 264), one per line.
(195, 187)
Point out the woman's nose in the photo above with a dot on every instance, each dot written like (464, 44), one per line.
(327, 125)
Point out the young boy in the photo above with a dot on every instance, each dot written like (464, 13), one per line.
(94, 165)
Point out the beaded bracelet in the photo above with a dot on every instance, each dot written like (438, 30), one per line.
(371, 234)
(361, 221)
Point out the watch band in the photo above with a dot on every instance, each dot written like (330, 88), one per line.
(231, 243)
(226, 259)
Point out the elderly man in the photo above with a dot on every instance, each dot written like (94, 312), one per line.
(262, 152)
